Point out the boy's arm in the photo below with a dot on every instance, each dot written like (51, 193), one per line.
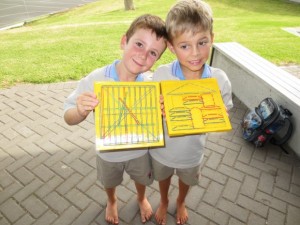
(85, 103)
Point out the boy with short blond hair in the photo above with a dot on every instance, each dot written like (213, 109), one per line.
(142, 45)
(189, 26)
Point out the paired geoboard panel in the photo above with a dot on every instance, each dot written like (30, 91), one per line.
(129, 114)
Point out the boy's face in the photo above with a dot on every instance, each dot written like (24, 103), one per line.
(141, 51)
(192, 50)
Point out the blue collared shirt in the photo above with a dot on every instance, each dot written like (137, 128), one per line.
(177, 71)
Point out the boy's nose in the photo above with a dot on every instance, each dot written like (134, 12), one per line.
(196, 50)
(143, 55)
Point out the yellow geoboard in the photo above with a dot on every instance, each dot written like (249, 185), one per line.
(194, 106)
(128, 115)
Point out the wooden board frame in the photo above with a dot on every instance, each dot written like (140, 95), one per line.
(194, 107)
(128, 115)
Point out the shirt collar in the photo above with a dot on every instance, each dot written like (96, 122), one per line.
(111, 72)
(177, 71)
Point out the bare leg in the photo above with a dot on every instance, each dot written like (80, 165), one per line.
(111, 215)
(182, 215)
(161, 212)
(145, 207)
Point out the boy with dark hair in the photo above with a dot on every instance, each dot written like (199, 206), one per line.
(142, 45)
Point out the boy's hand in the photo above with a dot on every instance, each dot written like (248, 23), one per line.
(86, 102)
(162, 106)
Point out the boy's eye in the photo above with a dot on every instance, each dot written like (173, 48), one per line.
(139, 44)
(203, 43)
(184, 46)
(154, 54)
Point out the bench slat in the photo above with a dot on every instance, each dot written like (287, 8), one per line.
(267, 71)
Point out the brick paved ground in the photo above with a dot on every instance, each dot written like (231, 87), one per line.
(48, 175)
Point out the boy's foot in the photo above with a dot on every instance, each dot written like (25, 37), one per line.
(111, 215)
(182, 214)
(161, 214)
(146, 210)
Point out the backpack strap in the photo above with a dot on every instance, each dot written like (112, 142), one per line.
(286, 137)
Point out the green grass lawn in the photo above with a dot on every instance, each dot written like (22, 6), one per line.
(69, 45)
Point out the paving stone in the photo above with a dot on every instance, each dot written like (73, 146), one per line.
(87, 181)
(279, 164)
(276, 218)
(295, 189)
(283, 180)
(54, 161)
(214, 175)
(252, 205)
(9, 191)
(6, 162)
(4, 221)
(287, 197)
(233, 209)
(213, 214)
(12, 210)
(229, 145)
(231, 172)
(57, 203)
(38, 160)
(247, 169)
(296, 176)
(229, 157)
(195, 218)
(194, 197)
(97, 194)
(249, 186)
(69, 183)
(215, 147)
(128, 212)
(43, 172)
(5, 179)
(245, 154)
(259, 154)
(233, 221)
(81, 167)
(293, 215)
(213, 160)
(49, 186)
(28, 190)
(24, 175)
(24, 220)
(78, 199)
(266, 182)
(231, 189)
(213, 193)
(271, 201)
(34, 206)
(88, 215)
(68, 216)
(256, 220)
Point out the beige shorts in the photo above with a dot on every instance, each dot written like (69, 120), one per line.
(189, 176)
(110, 174)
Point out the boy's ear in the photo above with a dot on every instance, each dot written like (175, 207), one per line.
(123, 41)
(170, 46)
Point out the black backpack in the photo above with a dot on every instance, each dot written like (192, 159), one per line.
(268, 122)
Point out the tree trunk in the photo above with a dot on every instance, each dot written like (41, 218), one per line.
(129, 5)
